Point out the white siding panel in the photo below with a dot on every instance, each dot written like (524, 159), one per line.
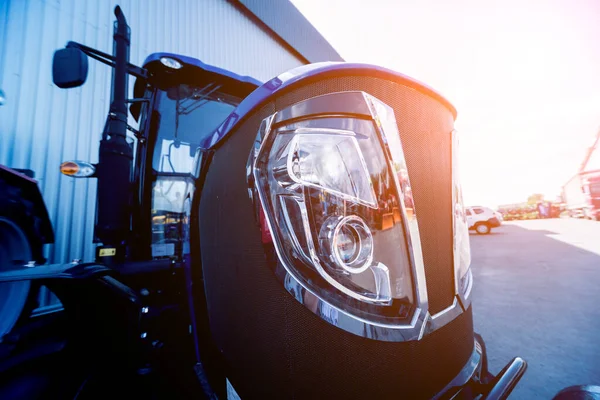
(41, 125)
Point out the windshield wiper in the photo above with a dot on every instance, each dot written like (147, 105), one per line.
(197, 100)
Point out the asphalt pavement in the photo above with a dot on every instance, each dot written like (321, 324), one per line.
(537, 295)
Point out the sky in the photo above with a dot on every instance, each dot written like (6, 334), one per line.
(524, 76)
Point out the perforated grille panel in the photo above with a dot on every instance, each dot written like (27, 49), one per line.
(273, 346)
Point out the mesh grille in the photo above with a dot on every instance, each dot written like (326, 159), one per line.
(273, 346)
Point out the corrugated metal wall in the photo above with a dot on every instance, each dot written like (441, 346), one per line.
(41, 125)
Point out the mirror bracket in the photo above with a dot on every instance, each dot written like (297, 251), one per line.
(108, 59)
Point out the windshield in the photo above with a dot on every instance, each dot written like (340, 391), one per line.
(186, 115)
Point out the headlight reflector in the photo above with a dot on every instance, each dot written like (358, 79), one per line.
(350, 243)
(332, 162)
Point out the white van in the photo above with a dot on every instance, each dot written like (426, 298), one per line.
(483, 219)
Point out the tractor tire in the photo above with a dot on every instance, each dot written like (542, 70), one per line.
(15, 249)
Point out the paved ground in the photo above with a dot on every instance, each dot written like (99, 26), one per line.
(537, 295)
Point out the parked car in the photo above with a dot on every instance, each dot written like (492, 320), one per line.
(483, 219)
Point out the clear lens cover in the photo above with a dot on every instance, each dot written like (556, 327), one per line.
(335, 204)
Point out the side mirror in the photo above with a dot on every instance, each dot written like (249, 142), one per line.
(69, 68)
(2, 97)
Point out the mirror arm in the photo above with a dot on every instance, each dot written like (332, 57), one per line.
(95, 54)
(109, 60)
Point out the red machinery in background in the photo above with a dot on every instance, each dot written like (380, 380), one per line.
(581, 193)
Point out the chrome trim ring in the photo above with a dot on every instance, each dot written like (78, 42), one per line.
(388, 132)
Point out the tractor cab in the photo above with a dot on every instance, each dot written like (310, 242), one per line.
(184, 102)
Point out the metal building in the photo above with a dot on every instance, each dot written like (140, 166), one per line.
(41, 125)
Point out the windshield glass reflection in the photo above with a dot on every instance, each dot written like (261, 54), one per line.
(187, 115)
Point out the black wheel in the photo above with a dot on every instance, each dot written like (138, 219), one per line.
(482, 228)
(14, 249)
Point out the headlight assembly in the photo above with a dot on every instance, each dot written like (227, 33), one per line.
(334, 190)
(320, 196)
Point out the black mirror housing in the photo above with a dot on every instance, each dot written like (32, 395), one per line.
(69, 68)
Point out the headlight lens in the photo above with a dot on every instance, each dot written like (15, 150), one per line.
(170, 62)
(336, 195)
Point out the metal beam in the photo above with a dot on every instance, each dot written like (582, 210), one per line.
(287, 24)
